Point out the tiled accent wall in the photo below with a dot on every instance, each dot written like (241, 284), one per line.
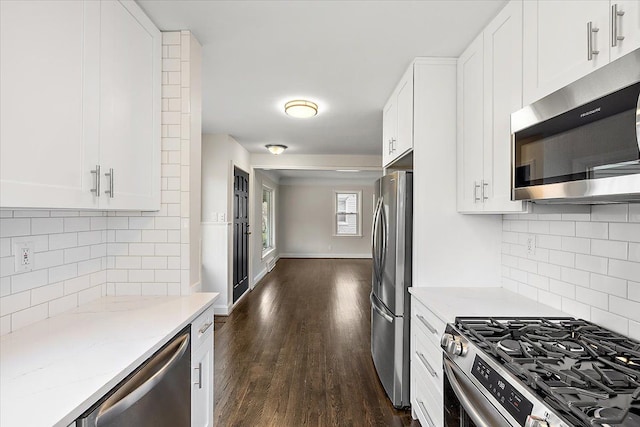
(69, 264)
(586, 261)
(80, 256)
(148, 252)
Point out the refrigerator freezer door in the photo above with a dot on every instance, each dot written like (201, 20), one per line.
(389, 353)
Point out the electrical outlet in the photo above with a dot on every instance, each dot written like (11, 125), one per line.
(23, 253)
(531, 244)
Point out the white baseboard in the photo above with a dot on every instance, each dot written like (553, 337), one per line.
(299, 255)
(259, 276)
(221, 310)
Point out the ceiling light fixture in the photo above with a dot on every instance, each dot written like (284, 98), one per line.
(276, 148)
(301, 109)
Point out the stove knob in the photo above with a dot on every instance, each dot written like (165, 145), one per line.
(453, 345)
(534, 421)
(445, 340)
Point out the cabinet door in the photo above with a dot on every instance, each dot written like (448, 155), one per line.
(202, 385)
(470, 127)
(48, 103)
(627, 25)
(405, 115)
(502, 96)
(556, 40)
(389, 124)
(130, 107)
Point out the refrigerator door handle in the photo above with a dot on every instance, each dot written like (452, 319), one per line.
(374, 239)
(380, 310)
(383, 252)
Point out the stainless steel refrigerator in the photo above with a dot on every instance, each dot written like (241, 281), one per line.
(390, 302)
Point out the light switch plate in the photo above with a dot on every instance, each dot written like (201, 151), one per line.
(23, 254)
(221, 217)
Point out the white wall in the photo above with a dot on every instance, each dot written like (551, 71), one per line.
(306, 221)
(586, 263)
(220, 153)
(262, 178)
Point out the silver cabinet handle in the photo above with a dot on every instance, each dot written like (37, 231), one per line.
(426, 364)
(476, 187)
(615, 14)
(485, 191)
(390, 150)
(199, 368)
(427, 324)
(204, 327)
(96, 188)
(110, 190)
(426, 414)
(591, 30)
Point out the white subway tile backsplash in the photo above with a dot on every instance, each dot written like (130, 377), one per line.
(28, 316)
(46, 293)
(610, 285)
(593, 267)
(47, 225)
(63, 241)
(624, 269)
(610, 213)
(10, 227)
(77, 224)
(63, 304)
(609, 248)
(595, 230)
(576, 244)
(25, 281)
(14, 302)
(629, 232)
(63, 272)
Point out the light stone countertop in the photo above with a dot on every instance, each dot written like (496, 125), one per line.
(449, 303)
(54, 370)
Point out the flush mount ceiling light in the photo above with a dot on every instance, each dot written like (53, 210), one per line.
(301, 109)
(276, 148)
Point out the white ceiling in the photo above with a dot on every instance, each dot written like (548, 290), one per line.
(345, 55)
(322, 177)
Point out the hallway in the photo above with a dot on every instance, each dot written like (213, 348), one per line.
(296, 351)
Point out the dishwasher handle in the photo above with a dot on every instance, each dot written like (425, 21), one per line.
(144, 380)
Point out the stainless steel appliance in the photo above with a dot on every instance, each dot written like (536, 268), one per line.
(158, 394)
(539, 372)
(390, 302)
(581, 144)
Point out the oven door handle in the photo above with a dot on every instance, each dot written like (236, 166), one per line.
(475, 404)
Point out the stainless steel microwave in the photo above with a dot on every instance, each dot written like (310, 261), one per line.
(581, 144)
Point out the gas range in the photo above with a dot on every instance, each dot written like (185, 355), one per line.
(539, 372)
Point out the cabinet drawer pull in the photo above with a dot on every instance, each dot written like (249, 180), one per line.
(485, 190)
(591, 30)
(199, 368)
(427, 324)
(476, 187)
(615, 14)
(204, 327)
(426, 364)
(110, 190)
(426, 414)
(96, 188)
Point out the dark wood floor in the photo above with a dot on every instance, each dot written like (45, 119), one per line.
(296, 351)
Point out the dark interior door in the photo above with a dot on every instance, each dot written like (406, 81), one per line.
(240, 233)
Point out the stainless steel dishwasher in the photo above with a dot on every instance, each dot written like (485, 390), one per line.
(157, 394)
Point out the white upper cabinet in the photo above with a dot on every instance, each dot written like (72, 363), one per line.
(625, 27)
(87, 94)
(489, 90)
(397, 120)
(48, 103)
(563, 41)
(129, 107)
(470, 146)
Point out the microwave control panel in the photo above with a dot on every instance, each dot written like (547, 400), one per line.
(513, 401)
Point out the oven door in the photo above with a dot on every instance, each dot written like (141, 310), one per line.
(464, 403)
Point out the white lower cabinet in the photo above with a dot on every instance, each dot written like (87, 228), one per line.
(202, 370)
(426, 365)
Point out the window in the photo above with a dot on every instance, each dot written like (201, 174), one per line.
(348, 213)
(267, 220)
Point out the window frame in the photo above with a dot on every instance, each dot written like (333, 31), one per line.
(272, 224)
(358, 194)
